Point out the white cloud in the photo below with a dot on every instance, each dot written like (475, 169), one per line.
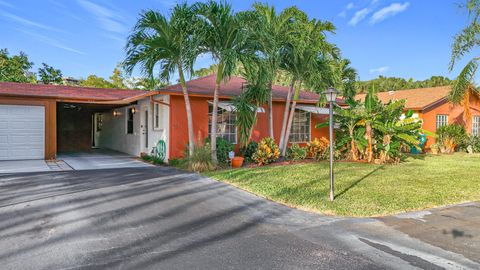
(348, 7)
(27, 22)
(108, 19)
(359, 16)
(380, 70)
(52, 42)
(388, 11)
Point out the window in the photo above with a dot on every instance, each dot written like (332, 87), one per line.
(130, 113)
(476, 125)
(300, 131)
(442, 120)
(99, 117)
(156, 116)
(226, 128)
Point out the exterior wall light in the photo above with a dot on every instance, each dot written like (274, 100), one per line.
(115, 113)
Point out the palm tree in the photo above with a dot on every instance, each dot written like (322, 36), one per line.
(171, 45)
(225, 39)
(465, 42)
(306, 59)
(269, 32)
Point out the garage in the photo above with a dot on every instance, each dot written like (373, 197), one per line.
(22, 132)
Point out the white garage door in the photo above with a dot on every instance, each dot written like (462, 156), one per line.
(22, 132)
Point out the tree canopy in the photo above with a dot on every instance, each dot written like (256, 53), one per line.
(15, 68)
(48, 74)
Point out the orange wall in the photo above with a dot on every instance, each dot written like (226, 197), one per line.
(178, 123)
(455, 116)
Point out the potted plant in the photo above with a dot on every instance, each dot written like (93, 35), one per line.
(237, 162)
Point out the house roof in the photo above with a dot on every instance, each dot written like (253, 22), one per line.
(71, 93)
(205, 86)
(416, 99)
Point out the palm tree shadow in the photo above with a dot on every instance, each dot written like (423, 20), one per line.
(358, 181)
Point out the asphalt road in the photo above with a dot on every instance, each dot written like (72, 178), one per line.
(161, 218)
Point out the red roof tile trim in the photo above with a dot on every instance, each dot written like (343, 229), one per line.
(417, 99)
(232, 88)
(69, 92)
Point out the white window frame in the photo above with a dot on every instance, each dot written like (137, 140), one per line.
(476, 125)
(231, 123)
(296, 123)
(441, 120)
(127, 114)
(156, 116)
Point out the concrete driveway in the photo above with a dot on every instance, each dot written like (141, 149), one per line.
(101, 159)
(161, 218)
(92, 160)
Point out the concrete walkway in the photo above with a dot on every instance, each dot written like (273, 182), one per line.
(91, 160)
(162, 218)
(101, 159)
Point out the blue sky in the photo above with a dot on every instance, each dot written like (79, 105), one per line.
(410, 39)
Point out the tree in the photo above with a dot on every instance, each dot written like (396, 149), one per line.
(255, 94)
(118, 79)
(225, 39)
(49, 74)
(170, 43)
(15, 68)
(465, 42)
(95, 81)
(384, 84)
(269, 31)
(306, 60)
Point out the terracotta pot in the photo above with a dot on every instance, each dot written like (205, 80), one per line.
(237, 162)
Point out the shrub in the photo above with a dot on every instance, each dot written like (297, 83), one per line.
(152, 159)
(451, 137)
(318, 148)
(201, 159)
(223, 148)
(267, 152)
(248, 151)
(295, 152)
(472, 144)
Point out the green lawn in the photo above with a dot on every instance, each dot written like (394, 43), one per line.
(365, 189)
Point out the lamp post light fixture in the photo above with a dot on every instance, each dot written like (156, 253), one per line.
(331, 95)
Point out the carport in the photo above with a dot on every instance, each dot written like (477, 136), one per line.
(39, 121)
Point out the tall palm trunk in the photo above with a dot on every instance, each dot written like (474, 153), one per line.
(270, 111)
(290, 120)
(285, 115)
(213, 132)
(188, 110)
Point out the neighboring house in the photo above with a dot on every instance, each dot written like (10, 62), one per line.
(434, 108)
(38, 121)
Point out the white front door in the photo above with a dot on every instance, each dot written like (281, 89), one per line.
(22, 132)
(96, 129)
(144, 129)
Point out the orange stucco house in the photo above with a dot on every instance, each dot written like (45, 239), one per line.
(38, 121)
(433, 107)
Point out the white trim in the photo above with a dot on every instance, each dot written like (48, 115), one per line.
(313, 109)
(229, 107)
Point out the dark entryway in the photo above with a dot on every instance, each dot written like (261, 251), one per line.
(75, 125)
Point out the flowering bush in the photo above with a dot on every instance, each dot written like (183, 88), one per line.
(267, 152)
(318, 148)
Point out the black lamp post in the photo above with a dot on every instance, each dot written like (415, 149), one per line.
(331, 95)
